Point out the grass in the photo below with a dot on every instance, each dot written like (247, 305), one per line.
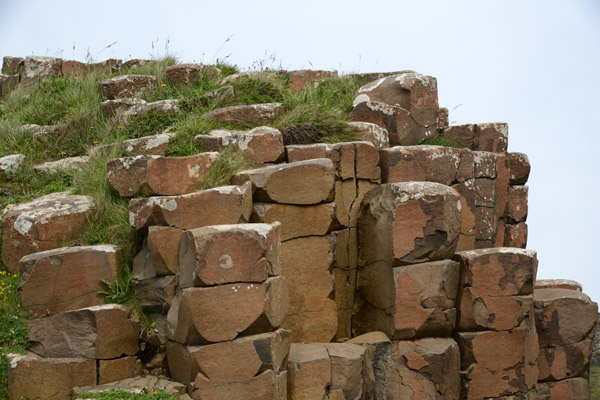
(595, 382)
(123, 395)
(440, 140)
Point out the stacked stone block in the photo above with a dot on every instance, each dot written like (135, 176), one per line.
(496, 326)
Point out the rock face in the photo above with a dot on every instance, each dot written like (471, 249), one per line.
(519, 168)
(190, 73)
(101, 332)
(127, 108)
(372, 133)
(492, 136)
(66, 279)
(296, 221)
(36, 68)
(41, 224)
(8, 83)
(127, 86)
(11, 165)
(253, 114)
(259, 145)
(301, 79)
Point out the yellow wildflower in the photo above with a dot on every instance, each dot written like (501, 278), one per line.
(91, 127)
(75, 78)
(63, 153)
(163, 85)
(95, 142)
(120, 126)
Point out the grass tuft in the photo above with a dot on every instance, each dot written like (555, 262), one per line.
(440, 140)
(123, 395)
(229, 163)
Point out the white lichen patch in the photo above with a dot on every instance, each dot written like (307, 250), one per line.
(23, 224)
(380, 107)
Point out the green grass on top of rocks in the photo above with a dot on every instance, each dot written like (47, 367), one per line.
(123, 395)
(440, 140)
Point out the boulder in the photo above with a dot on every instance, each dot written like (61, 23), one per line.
(568, 389)
(462, 135)
(65, 164)
(492, 136)
(39, 131)
(128, 176)
(126, 86)
(11, 65)
(36, 68)
(41, 225)
(296, 221)
(258, 114)
(259, 145)
(301, 79)
(118, 369)
(517, 208)
(557, 284)
(266, 386)
(128, 108)
(515, 235)
(303, 182)
(372, 133)
(222, 205)
(484, 164)
(163, 244)
(519, 168)
(101, 332)
(11, 165)
(309, 371)
(214, 255)
(67, 278)
(222, 313)
(190, 73)
(32, 377)
(8, 83)
(303, 152)
(563, 362)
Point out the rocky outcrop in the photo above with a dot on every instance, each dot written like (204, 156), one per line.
(258, 114)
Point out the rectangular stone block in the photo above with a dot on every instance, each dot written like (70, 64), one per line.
(564, 362)
(8, 83)
(11, 65)
(214, 255)
(486, 224)
(485, 193)
(519, 168)
(515, 235)
(118, 369)
(463, 135)
(303, 152)
(502, 184)
(309, 371)
(297, 221)
(163, 244)
(349, 369)
(479, 311)
(155, 294)
(568, 389)
(485, 164)
(221, 313)
(517, 204)
(492, 136)
(266, 386)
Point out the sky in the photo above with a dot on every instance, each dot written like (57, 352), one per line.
(534, 64)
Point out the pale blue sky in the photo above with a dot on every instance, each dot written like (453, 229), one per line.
(533, 64)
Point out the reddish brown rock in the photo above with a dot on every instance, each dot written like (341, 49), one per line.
(492, 136)
(179, 175)
(259, 145)
(151, 145)
(41, 225)
(135, 63)
(190, 73)
(303, 152)
(443, 120)
(563, 316)
(101, 332)
(486, 226)
(309, 372)
(466, 192)
(462, 135)
(36, 68)
(557, 284)
(502, 184)
(214, 255)
(118, 369)
(366, 162)
(491, 370)
(485, 164)
(10, 65)
(516, 235)
(373, 76)
(68, 278)
(498, 313)
(266, 386)
(350, 371)
(372, 133)
(155, 294)
(519, 168)
(126, 109)
(74, 68)
(32, 377)
(253, 114)
(221, 313)
(8, 83)
(569, 389)
(226, 362)
(296, 221)
(562, 362)
(222, 205)
(485, 193)
(348, 198)
(303, 182)
(302, 79)
(128, 176)
(163, 243)
(517, 204)
(127, 86)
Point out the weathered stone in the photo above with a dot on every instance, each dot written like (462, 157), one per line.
(366, 162)
(296, 221)
(222, 205)
(562, 362)
(266, 74)
(479, 311)
(372, 133)
(135, 63)
(101, 332)
(32, 377)
(305, 264)
(190, 73)
(226, 362)
(151, 145)
(127, 86)
(309, 372)
(466, 192)
(349, 370)
(443, 120)
(491, 370)
(138, 385)
(492, 136)
(557, 284)
(118, 369)
(155, 294)
(65, 164)
(485, 164)
(425, 163)
(519, 168)
(485, 193)
(10, 65)
(517, 204)
(259, 145)
(128, 108)
(486, 225)
(128, 176)
(11, 165)
(254, 113)
(306, 78)
(214, 255)
(8, 83)
(303, 182)
(266, 386)
(563, 316)
(36, 68)
(462, 135)
(303, 152)
(502, 184)
(68, 278)
(115, 107)
(569, 389)
(373, 76)
(163, 243)
(39, 131)
(221, 313)
(41, 224)
(516, 235)
(74, 68)
(215, 96)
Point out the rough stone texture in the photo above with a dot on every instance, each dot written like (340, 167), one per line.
(266, 386)
(306, 264)
(303, 152)
(68, 278)
(221, 313)
(303, 182)
(64, 164)
(190, 73)
(516, 235)
(296, 221)
(11, 165)
(126, 86)
(557, 284)
(214, 255)
(39, 131)
(134, 63)
(443, 120)
(519, 168)
(8, 83)
(491, 370)
(254, 113)
(128, 176)
(484, 164)
(101, 332)
(569, 389)
(118, 369)
(373, 76)
(350, 371)
(225, 362)
(309, 372)
(562, 362)
(32, 377)
(517, 208)
(127, 108)
(36, 68)
(10, 65)
(259, 145)
(479, 311)
(74, 68)
(138, 385)
(492, 136)
(222, 205)
(215, 96)
(41, 224)
(155, 294)
(372, 133)
(302, 79)
(163, 244)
